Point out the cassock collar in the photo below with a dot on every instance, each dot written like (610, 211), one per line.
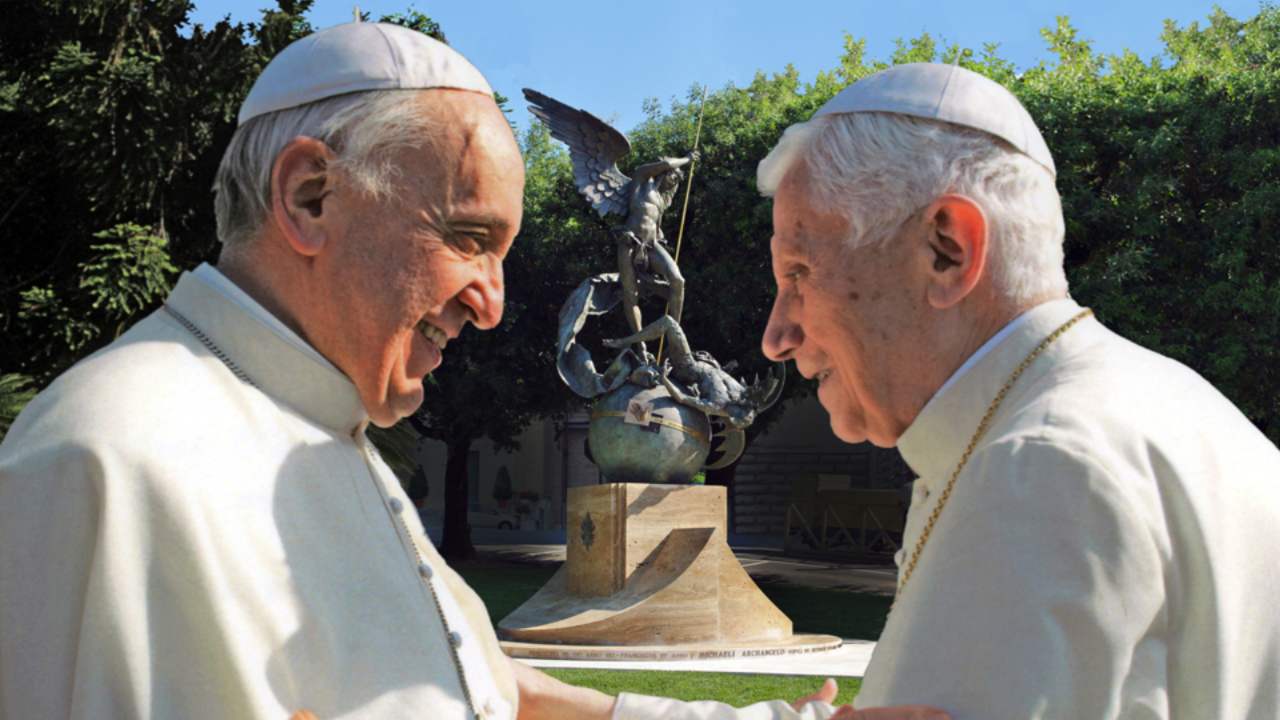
(934, 442)
(277, 364)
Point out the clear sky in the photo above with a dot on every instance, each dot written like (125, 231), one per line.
(608, 57)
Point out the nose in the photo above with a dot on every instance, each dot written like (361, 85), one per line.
(484, 296)
(781, 335)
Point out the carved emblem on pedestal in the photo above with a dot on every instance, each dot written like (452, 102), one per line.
(588, 531)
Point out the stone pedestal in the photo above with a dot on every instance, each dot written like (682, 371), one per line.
(648, 574)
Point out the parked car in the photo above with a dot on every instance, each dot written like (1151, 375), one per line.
(479, 516)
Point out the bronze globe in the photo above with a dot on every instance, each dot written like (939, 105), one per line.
(639, 434)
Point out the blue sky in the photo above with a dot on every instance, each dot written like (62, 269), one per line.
(608, 57)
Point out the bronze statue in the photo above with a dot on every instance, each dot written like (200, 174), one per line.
(595, 148)
(652, 421)
(696, 379)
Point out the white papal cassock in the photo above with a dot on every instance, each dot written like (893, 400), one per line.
(176, 542)
(1111, 550)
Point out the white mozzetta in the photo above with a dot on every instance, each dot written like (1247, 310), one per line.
(1108, 552)
(175, 543)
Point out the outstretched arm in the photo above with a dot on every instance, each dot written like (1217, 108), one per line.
(696, 403)
(666, 164)
(542, 696)
(652, 331)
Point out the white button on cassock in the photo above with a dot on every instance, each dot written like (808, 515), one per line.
(425, 570)
(396, 505)
(455, 638)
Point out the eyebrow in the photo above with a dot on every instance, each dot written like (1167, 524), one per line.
(792, 252)
(486, 220)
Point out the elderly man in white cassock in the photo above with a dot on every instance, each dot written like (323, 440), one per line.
(1095, 529)
(193, 523)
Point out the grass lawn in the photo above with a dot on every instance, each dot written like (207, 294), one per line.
(504, 586)
(736, 690)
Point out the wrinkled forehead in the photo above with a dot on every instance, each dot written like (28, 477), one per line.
(467, 141)
(803, 224)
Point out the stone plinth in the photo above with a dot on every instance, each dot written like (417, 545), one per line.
(648, 573)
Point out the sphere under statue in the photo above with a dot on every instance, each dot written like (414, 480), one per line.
(641, 434)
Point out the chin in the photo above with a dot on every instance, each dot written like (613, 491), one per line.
(852, 433)
(396, 408)
(847, 423)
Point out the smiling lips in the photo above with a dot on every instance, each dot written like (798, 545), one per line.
(433, 334)
(822, 376)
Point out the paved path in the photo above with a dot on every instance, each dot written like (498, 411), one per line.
(848, 661)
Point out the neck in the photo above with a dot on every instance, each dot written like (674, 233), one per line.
(263, 279)
(957, 335)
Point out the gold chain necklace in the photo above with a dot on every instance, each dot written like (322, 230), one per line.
(983, 426)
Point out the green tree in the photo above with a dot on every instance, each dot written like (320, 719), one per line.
(116, 114)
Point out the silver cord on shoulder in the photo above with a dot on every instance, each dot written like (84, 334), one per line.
(204, 340)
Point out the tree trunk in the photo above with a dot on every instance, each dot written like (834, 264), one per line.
(457, 531)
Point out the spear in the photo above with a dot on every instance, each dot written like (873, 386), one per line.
(684, 211)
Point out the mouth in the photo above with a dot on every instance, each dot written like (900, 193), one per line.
(433, 334)
(822, 376)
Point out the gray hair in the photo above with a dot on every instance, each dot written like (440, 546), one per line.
(882, 167)
(363, 129)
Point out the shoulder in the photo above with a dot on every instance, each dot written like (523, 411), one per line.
(150, 386)
(1114, 403)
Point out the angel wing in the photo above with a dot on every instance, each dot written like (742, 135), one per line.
(594, 147)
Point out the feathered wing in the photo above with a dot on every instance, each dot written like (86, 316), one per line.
(594, 147)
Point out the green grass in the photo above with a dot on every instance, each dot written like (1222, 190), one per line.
(844, 613)
(504, 586)
(734, 689)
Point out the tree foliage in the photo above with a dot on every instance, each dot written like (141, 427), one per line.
(115, 116)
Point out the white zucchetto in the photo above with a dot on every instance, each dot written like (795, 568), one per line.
(948, 93)
(355, 57)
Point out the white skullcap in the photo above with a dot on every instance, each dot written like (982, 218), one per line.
(354, 57)
(948, 93)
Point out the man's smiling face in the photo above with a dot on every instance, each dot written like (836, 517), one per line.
(411, 270)
(840, 313)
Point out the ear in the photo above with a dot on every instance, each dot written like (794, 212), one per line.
(302, 203)
(957, 246)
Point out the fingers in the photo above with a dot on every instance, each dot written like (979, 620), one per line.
(826, 694)
(900, 712)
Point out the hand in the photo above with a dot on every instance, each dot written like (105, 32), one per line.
(695, 156)
(826, 694)
(898, 712)
(542, 696)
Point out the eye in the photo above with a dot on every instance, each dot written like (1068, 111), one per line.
(467, 244)
(795, 274)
